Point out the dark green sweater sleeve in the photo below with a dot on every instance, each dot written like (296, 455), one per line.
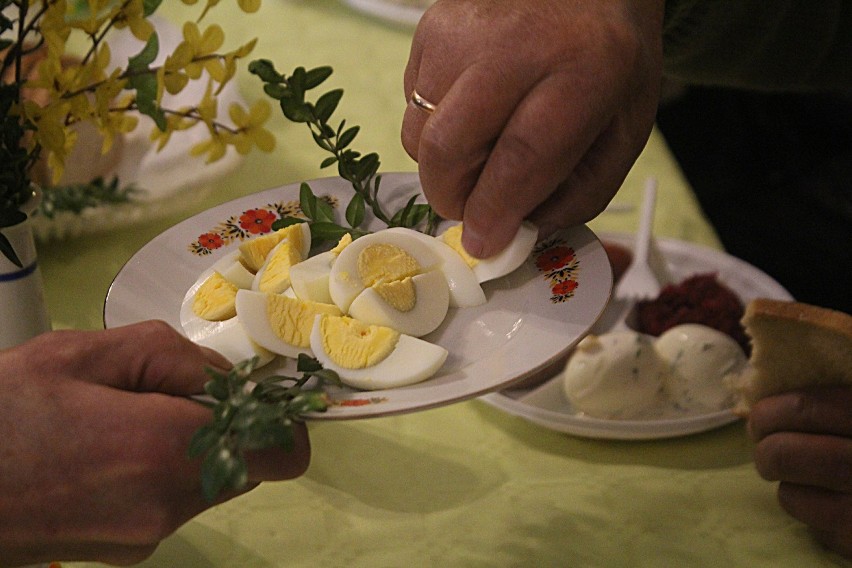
(790, 45)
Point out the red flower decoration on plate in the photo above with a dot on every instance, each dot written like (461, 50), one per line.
(559, 265)
(257, 221)
(554, 258)
(247, 224)
(210, 241)
(564, 287)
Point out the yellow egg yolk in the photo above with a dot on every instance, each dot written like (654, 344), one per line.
(276, 275)
(291, 319)
(452, 237)
(352, 344)
(253, 253)
(388, 269)
(400, 294)
(344, 242)
(215, 299)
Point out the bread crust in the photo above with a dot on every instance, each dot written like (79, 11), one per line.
(794, 345)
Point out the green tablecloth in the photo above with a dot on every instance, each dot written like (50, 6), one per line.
(464, 485)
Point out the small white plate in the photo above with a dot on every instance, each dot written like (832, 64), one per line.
(532, 318)
(407, 12)
(546, 405)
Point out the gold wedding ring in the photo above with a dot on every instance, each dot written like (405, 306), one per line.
(422, 103)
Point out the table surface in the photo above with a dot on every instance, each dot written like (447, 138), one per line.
(466, 484)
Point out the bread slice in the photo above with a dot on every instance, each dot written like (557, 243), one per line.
(794, 345)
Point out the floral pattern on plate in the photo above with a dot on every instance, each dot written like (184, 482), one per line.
(247, 224)
(560, 266)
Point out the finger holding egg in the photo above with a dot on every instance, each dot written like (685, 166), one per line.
(502, 263)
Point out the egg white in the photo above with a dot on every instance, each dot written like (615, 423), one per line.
(252, 313)
(309, 278)
(413, 360)
(231, 340)
(432, 302)
(465, 291)
(510, 258)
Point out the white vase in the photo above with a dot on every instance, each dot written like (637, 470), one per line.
(23, 310)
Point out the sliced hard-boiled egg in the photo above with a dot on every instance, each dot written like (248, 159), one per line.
(278, 322)
(309, 278)
(465, 291)
(215, 299)
(220, 300)
(502, 263)
(274, 275)
(234, 271)
(231, 340)
(386, 262)
(373, 357)
(253, 252)
(414, 306)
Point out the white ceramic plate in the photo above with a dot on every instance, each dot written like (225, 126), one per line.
(532, 318)
(407, 12)
(547, 406)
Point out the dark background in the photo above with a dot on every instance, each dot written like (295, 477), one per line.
(773, 174)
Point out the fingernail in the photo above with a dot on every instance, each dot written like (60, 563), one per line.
(473, 242)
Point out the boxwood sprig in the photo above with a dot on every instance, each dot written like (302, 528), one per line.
(252, 417)
(360, 170)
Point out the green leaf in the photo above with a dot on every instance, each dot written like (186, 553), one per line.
(322, 141)
(286, 222)
(222, 469)
(330, 161)
(327, 231)
(150, 6)
(355, 211)
(10, 218)
(203, 440)
(297, 82)
(347, 137)
(368, 166)
(327, 104)
(315, 77)
(401, 216)
(216, 389)
(296, 110)
(9, 251)
(307, 364)
(144, 81)
(265, 69)
(325, 212)
(276, 90)
(307, 201)
(417, 214)
(141, 61)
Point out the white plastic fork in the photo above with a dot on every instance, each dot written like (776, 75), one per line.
(639, 281)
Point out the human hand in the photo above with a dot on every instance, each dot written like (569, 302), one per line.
(542, 108)
(804, 440)
(96, 427)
